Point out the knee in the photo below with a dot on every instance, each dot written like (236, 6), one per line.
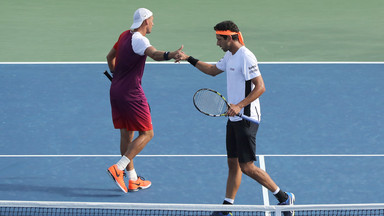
(247, 168)
(150, 134)
(233, 163)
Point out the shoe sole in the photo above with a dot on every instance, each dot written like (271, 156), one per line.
(118, 185)
(139, 188)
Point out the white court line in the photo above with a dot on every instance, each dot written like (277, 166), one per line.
(326, 155)
(264, 189)
(171, 63)
(217, 155)
(4, 156)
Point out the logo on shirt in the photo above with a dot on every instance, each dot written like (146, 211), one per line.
(232, 69)
(253, 69)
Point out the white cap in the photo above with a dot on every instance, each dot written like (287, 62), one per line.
(139, 16)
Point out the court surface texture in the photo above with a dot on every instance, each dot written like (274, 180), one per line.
(321, 135)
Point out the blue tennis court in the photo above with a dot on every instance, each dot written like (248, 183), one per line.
(321, 135)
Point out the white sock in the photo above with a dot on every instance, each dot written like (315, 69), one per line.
(123, 163)
(229, 200)
(132, 175)
(277, 191)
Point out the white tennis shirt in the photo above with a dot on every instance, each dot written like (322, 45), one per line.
(240, 67)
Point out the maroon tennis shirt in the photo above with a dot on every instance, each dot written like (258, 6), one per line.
(130, 109)
(129, 69)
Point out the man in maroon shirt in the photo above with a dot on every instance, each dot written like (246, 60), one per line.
(130, 109)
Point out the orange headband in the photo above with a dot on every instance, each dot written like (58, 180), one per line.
(228, 32)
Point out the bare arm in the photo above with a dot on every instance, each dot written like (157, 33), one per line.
(203, 66)
(253, 95)
(208, 68)
(111, 57)
(158, 55)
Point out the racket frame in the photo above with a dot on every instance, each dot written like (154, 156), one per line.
(216, 92)
(226, 102)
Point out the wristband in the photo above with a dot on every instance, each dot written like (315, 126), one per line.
(166, 55)
(192, 60)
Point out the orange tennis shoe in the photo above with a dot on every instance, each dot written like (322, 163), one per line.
(117, 176)
(139, 184)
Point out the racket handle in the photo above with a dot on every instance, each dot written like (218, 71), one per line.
(248, 118)
(108, 75)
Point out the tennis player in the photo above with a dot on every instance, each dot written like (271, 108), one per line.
(244, 87)
(130, 109)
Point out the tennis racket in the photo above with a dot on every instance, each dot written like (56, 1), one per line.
(212, 103)
(108, 75)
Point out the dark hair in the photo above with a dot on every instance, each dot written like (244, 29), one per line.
(227, 25)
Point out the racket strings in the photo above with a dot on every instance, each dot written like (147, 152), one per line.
(210, 102)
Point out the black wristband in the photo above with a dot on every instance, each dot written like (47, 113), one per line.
(166, 55)
(192, 60)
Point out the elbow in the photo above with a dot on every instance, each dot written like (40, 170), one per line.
(213, 71)
(111, 55)
(263, 89)
(109, 58)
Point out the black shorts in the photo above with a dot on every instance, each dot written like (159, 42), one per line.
(241, 140)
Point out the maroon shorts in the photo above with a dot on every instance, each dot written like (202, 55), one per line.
(131, 115)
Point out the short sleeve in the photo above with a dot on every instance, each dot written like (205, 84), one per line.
(222, 64)
(140, 43)
(251, 68)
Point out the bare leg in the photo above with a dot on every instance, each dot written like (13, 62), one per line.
(262, 177)
(234, 178)
(126, 138)
(135, 147)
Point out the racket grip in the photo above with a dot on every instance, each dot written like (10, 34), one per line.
(108, 75)
(248, 119)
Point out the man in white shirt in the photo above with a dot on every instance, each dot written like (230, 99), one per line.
(244, 87)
